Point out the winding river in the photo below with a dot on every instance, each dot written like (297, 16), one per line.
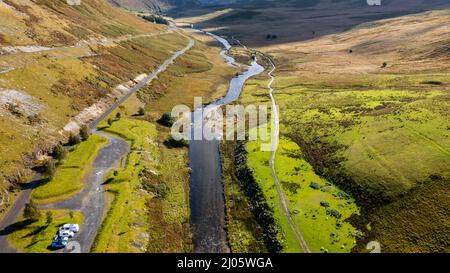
(207, 200)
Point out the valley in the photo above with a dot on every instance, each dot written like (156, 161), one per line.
(358, 105)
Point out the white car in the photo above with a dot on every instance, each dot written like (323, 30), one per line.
(66, 233)
(70, 227)
(74, 228)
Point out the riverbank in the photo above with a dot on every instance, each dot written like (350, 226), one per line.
(208, 211)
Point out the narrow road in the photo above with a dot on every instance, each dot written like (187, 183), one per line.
(91, 200)
(275, 142)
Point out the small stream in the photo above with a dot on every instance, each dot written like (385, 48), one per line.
(207, 202)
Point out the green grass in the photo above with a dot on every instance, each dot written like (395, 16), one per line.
(36, 237)
(69, 177)
(321, 231)
(244, 233)
(138, 220)
(379, 137)
(128, 206)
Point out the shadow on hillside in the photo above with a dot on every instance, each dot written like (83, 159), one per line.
(295, 21)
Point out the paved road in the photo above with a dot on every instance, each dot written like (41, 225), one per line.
(14, 212)
(91, 200)
(275, 141)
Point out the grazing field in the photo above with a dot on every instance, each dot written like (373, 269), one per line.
(36, 237)
(71, 173)
(320, 209)
(383, 143)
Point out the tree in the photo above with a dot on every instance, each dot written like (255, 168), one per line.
(59, 152)
(84, 132)
(110, 121)
(48, 217)
(74, 139)
(31, 211)
(71, 214)
(49, 168)
(141, 111)
(118, 115)
(167, 119)
(384, 65)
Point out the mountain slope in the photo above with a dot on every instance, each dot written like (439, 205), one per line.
(60, 66)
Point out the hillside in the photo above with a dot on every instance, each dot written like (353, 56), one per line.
(364, 106)
(61, 66)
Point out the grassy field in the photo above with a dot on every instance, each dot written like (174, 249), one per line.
(149, 211)
(69, 177)
(128, 206)
(243, 231)
(311, 199)
(368, 140)
(36, 237)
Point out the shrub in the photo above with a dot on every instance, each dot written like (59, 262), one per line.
(141, 111)
(110, 121)
(59, 152)
(74, 139)
(314, 185)
(324, 204)
(334, 212)
(31, 211)
(167, 120)
(172, 143)
(49, 168)
(160, 190)
(48, 217)
(118, 115)
(84, 132)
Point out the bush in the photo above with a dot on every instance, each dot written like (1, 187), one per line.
(172, 143)
(167, 120)
(160, 190)
(31, 211)
(59, 152)
(141, 111)
(110, 121)
(48, 217)
(156, 19)
(74, 139)
(118, 115)
(334, 212)
(84, 132)
(324, 204)
(314, 185)
(49, 168)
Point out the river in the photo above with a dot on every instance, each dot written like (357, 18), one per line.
(207, 200)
